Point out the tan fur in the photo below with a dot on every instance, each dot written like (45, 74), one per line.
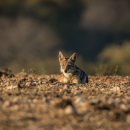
(72, 79)
(70, 72)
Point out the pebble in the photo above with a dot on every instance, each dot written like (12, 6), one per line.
(114, 101)
(35, 100)
(77, 92)
(123, 107)
(14, 108)
(128, 119)
(61, 90)
(80, 99)
(47, 100)
(115, 89)
(12, 87)
(68, 110)
(95, 101)
(15, 100)
(66, 87)
(6, 104)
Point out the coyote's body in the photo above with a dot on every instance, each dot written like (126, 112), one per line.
(71, 73)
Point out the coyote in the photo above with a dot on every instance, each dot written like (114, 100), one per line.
(71, 73)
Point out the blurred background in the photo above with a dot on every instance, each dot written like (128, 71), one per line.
(33, 31)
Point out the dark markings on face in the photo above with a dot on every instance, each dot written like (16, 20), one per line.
(70, 65)
(67, 65)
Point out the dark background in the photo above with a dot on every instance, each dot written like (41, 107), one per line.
(33, 31)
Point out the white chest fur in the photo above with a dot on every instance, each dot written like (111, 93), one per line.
(67, 75)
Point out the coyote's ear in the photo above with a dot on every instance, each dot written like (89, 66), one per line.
(61, 56)
(73, 57)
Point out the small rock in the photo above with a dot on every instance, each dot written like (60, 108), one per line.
(66, 87)
(118, 101)
(115, 89)
(84, 106)
(12, 87)
(15, 100)
(77, 92)
(114, 101)
(123, 107)
(35, 100)
(47, 100)
(28, 84)
(95, 101)
(68, 110)
(128, 119)
(53, 103)
(0, 104)
(19, 86)
(61, 90)
(80, 99)
(29, 100)
(14, 108)
(6, 104)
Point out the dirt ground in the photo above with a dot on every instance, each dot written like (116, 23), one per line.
(38, 102)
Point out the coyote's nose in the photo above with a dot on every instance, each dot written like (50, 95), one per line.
(65, 71)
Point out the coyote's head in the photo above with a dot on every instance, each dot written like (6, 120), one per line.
(67, 65)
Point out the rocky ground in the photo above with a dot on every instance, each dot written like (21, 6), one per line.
(37, 102)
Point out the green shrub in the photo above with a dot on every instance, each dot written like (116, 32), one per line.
(115, 55)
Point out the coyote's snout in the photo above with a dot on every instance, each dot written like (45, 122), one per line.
(71, 73)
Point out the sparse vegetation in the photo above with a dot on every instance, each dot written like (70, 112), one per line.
(106, 70)
(115, 58)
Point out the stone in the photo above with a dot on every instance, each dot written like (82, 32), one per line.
(115, 89)
(68, 110)
(14, 108)
(124, 107)
(6, 104)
